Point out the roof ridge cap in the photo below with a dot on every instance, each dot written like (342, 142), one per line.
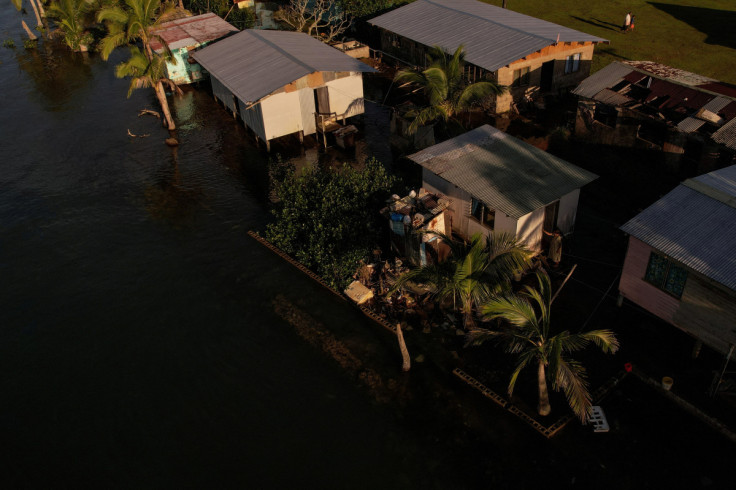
(706, 190)
(434, 2)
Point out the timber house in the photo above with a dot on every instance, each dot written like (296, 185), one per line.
(681, 260)
(281, 83)
(492, 181)
(183, 36)
(529, 55)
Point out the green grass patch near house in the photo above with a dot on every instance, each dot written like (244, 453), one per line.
(693, 35)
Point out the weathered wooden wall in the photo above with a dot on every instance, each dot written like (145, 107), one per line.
(706, 310)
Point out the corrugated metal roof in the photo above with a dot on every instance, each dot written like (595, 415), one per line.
(717, 104)
(694, 228)
(192, 31)
(608, 96)
(504, 172)
(493, 37)
(254, 63)
(726, 135)
(690, 124)
(602, 79)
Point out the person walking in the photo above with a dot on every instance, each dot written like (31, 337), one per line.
(627, 22)
(631, 26)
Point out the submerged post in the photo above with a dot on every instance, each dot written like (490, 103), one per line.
(402, 346)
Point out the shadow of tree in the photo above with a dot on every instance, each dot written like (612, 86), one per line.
(716, 24)
(599, 23)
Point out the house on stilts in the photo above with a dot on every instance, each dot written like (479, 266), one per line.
(494, 182)
(281, 83)
(681, 260)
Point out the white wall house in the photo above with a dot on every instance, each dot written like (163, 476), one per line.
(278, 82)
(499, 183)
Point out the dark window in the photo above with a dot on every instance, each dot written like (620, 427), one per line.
(482, 213)
(572, 63)
(521, 77)
(663, 273)
(606, 114)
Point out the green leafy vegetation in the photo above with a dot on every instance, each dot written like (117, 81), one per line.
(9, 43)
(445, 88)
(132, 22)
(71, 16)
(473, 272)
(30, 43)
(528, 335)
(694, 36)
(368, 8)
(240, 18)
(327, 219)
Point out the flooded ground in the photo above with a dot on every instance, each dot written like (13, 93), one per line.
(147, 340)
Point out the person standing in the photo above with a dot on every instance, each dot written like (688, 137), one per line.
(627, 22)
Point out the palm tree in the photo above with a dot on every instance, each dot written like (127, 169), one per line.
(448, 93)
(529, 336)
(136, 21)
(473, 271)
(70, 14)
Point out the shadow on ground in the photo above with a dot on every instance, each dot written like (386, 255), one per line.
(716, 24)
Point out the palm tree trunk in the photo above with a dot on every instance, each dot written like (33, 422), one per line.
(161, 95)
(544, 406)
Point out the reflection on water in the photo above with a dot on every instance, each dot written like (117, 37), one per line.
(170, 199)
(56, 75)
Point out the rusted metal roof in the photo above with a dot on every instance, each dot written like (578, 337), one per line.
(254, 63)
(694, 225)
(492, 36)
(687, 99)
(192, 31)
(504, 172)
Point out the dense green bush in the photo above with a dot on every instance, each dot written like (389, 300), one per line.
(328, 219)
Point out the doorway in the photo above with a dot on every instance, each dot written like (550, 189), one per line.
(548, 71)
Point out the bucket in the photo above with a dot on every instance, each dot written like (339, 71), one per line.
(667, 383)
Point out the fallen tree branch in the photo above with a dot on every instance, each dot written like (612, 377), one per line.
(138, 135)
(149, 112)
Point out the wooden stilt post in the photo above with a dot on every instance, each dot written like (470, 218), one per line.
(268, 146)
(301, 136)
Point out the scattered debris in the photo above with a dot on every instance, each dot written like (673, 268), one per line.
(138, 135)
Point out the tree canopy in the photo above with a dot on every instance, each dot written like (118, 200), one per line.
(327, 219)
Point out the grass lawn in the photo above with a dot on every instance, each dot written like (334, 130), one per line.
(694, 35)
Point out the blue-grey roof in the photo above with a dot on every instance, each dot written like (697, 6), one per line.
(254, 63)
(604, 78)
(493, 37)
(695, 225)
(502, 171)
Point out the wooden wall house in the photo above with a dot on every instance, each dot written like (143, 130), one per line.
(646, 105)
(183, 36)
(495, 182)
(280, 82)
(530, 56)
(680, 264)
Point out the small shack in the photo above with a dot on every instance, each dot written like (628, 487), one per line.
(281, 82)
(647, 105)
(499, 183)
(680, 262)
(183, 36)
(529, 55)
